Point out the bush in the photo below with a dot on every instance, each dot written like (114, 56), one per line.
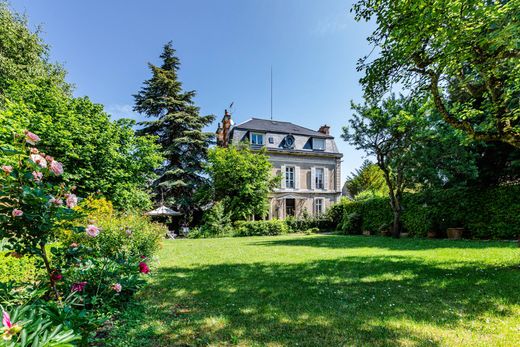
(216, 222)
(261, 228)
(485, 213)
(352, 223)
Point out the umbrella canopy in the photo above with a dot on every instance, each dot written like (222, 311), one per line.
(163, 211)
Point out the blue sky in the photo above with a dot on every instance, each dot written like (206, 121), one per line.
(226, 49)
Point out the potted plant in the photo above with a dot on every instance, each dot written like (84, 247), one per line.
(455, 233)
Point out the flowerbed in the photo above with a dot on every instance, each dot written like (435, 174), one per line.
(66, 268)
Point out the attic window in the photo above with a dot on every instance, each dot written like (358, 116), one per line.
(271, 140)
(257, 139)
(318, 144)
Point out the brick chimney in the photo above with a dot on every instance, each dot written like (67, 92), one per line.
(324, 129)
(220, 135)
(223, 130)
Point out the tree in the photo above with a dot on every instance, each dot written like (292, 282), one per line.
(179, 129)
(242, 180)
(464, 52)
(367, 180)
(387, 132)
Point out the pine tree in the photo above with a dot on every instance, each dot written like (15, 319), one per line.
(179, 130)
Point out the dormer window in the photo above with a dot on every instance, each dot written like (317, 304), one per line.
(318, 144)
(257, 139)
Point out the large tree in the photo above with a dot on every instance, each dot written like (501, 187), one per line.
(367, 181)
(242, 180)
(178, 126)
(465, 52)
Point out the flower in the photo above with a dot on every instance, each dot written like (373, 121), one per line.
(17, 213)
(92, 230)
(78, 286)
(49, 158)
(34, 150)
(38, 159)
(56, 276)
(31, 138)
(128, 232)
(57, 202)
(37, 176)
(117, 287)
(74, 245)
(10, 328)
(71, 200)
(56, 167)
(143, 268)
(7, 169)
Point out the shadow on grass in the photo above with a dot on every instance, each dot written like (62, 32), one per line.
(343, 241)
(374, 301)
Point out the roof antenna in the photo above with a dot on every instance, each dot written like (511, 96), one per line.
(271, 92)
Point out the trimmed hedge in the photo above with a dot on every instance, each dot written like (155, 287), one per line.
(261, 228)
(492, 213)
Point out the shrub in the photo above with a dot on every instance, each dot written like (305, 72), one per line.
(261, 228)
(216, 222)
(352, 223)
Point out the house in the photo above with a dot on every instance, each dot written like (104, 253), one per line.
(308, 161)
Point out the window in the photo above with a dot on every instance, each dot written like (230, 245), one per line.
(318, 207)
(271, 140)
(320, 178)
(318, 144)
(289, 177)
(257, 139)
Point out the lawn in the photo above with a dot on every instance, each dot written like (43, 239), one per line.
(328, 290)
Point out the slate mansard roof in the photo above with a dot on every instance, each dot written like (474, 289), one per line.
(275, 126)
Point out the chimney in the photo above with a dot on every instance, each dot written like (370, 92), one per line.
(324, 129)
(220, 135)
(226, 127)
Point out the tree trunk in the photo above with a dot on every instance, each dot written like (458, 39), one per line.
(396, 227)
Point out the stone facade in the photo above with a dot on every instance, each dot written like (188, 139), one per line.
(307, 160)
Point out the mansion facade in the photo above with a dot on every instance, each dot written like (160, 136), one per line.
(307, 160)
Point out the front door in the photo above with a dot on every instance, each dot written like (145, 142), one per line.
(290, 207)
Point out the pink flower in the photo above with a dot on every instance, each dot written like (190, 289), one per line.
(74, 245)
(56, 167)
(49, 158)
(78, 286)
(17, 213)
(31, 138)
(38, 159)
(37, 176)
(6, 320)
(34, 150)
(92, 230)
(7, 169)
(72, 200)
(56, 276)
(117, 287)
(129, 232)
(56, 202)
(143, 268)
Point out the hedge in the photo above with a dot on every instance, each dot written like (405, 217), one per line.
(492, 213)
(261, 228)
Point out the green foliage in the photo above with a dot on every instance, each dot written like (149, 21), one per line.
(485, 213)
(470, 63)
(216, 222)
(32, 327)
(242, 180)
(352, 223)
(366, 181)
(178, 128)
(261, 228)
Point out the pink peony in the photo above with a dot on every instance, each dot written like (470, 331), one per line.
(31, 138)
(56, 167)
(49, 158)
(17, 213)
(38, 159)
(37, 176)
(34, 150)
(6, 320)
(72, 200)
(7, 169)
(143, 268)
(56, 202)
(117, 287)
(78, 286)
(92, 230)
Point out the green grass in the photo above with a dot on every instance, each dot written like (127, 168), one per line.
(327, 290)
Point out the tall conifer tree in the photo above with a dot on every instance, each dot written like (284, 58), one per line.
(179, 128)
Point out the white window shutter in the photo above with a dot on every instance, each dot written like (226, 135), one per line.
(296, 177)
(313, 178)
(284, 175)
(325, 178)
